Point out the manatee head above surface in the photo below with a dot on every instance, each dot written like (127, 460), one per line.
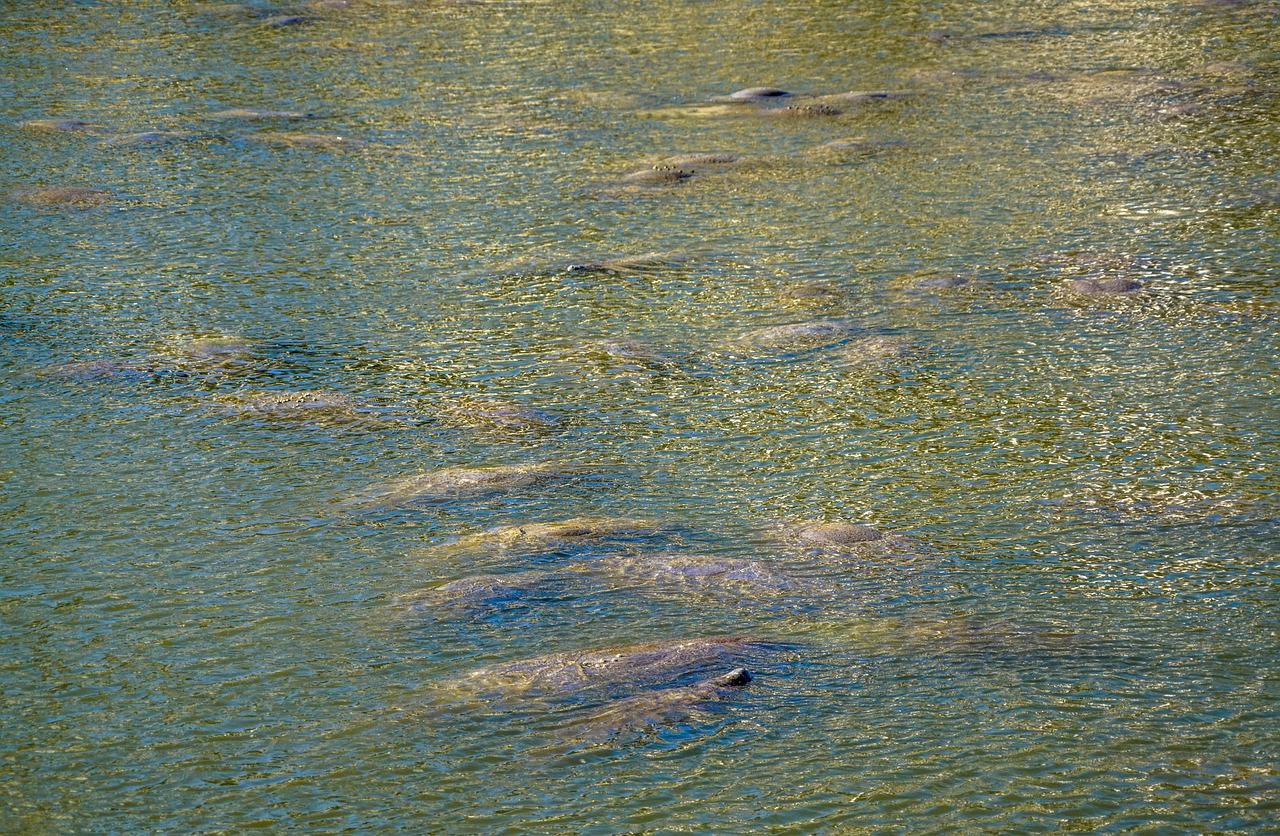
(568, 672)
(650, 708)
(464, 482)
(576, 532)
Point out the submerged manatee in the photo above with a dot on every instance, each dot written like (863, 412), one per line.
(657, 177)
(651, 708)
(102, 367)
(839, 537)
(327, 407)
(876, 352)
(477, 590)
(462, 483)
(76, 197)
(1114, 286)
(575, 533)
(811, 294)
(500, 415)
(61, 126)
(213, 353)
(693, 571)
(247, 114)
(601, 668)
(636, 263)
(796, 336)
(323, 142)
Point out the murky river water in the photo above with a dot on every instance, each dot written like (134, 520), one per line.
(1038, 287)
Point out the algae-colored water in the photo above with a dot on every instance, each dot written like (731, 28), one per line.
(280, 267)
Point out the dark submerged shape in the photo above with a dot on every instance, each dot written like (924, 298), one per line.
(463, 482)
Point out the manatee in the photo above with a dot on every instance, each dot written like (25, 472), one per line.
(78, 197)
(876, 351)
(938, 280)
(477, 590)
(693, 571)
(657, 177)
(574, 533)
(626, 351)
(103, 367)
(256, 115)
(324, 142)
(798, 335)
(752, 94)
(281, 21)
(841, 538)
(604, 667)
(1114, 286)
(695, 161)
(650, 708)
(301, 405)
(214, 353)
(464, 482)
(501, 415)
(802, 111)
(829, 535)
(811, 293)
(154, 138)
(636, 263)
(854, 97)
(856, 147)
(61, 126)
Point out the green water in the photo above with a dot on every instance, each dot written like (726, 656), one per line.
(1077, 631)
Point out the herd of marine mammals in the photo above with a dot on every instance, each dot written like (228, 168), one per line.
(660, 679)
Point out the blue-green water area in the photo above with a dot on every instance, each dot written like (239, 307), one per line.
(414, 414)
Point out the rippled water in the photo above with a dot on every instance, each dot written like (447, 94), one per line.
(209, 612)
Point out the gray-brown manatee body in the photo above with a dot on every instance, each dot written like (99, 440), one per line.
(103, 367)
(1114, 286)
(838, 537)
(213, 353)
(796, 336)
(693, 572)
(601, 668)
(876, 352)
(498, 415)
(574, 533)
(477, 590)
(657, 177)
(293, 405)
(75, 197)
(657, 707)
(813, 294)
(248, 114)
(462, 483)
(323, 142)
(61, 126)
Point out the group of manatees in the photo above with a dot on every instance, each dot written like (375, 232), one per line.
(801, 562)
